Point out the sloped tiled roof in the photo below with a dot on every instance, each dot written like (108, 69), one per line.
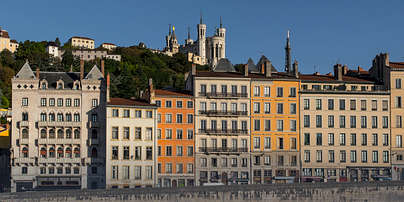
(252, 68)
(129, 102)
(25, 72)
(224, 65)
(172, 93)
(262, 60)
(94, 73)
(81, 37)
(68, 78)
(330, 78)
(396, 64)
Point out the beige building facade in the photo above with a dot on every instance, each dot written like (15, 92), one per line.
(345, 127)
(6, 42)
(131, 144)
(82, 42)
(109, 46)
(58, 129)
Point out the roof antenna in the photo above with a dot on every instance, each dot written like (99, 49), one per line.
(200, 20)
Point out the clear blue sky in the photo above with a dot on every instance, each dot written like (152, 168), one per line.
(322, 32)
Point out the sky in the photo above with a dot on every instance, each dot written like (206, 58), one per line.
(322, 32)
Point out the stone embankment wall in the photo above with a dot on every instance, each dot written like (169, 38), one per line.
(369, 192)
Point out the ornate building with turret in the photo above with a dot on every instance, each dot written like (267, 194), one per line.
(203, 51)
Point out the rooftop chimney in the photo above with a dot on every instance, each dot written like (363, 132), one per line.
(268, 69)
(386, 59)
(81, 69)
(296, 69)
(246, 70)
(102, 67)
(108, 85)
(151, 92)
(193, 69)
(338, 72)
(37, 73)
(262, 70)
(344, 70)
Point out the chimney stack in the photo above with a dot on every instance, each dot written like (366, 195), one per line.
(151, 92)
(386, 59)
(344, 70)
(296, 69)
(268, 69)
(81, 69)
(338, 72)
(37, 73)
(102, 67)
(246, 70)
(262, 68)
(193, 69)
(108, 85)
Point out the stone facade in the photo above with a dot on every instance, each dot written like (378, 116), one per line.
(6, 43)
(82, 42)
(58, 129)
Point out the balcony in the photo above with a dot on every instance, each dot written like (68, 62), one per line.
(59, 160)
(223, 113)
(224, 95)
(223, 132)
(58, 124)
(24, 141)
(24, 160)
(23, 124)
(59, 141)
(222, 150)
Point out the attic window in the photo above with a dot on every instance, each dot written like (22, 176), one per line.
(77, 86)
(43, 85)
(19, 86)
(60, 85)
(25, 86)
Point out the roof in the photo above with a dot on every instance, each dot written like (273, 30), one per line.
(252, 67)
(219, 74)
(172, 93)
(129, 102)
(224, 65)
(51, 43)
(108, 44)
(25, 72)
(275, 75)
(81, 37)
(68, 78)
(94, 73)
(13, 41)
(262, 60)
(4, 34)
(330, 78)
(396, 64)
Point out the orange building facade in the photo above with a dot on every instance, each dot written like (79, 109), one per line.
(175, 138)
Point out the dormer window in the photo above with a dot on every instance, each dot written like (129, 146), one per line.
(44, 85)
(59, 85)
(76, 85)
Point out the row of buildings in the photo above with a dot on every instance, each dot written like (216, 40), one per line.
(6, 43)
(257, 126)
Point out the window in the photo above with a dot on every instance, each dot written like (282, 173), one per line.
(256, 107)
(179, 118)
(267, 125)
(94, 102)
(375, 156)
(306, 121)
(330, 138)
(375, 139)
(158, 118)
(399, 121)
(279, 125)
(115, 113)
(341, 104)
(149, 134)
(138, 133)
(363, 122)
(267, 107)
(76, 102)
(330, 104)
(398, 102)
(306, 156)
(319, 139)
(190, 104)
(25, 116)
(68, 102)
(138, 153)
(257, 125)
(267, 142)
(43, 102)
(190, 118)
(331, 157)
(138, 113)
(374, 105)
(169, 118)
(306, 104)
(126, 153)
(279, 92)
(168, 104)
(319, 156)
(293, 143)
(353, 139)
(385, 121)
(279, 108)
(149, 153)
(293, 108)
(267, 91)
(114, 153)
(126, 133)
(179, 104)
(158, 103)
(385, 105)
(126, 113)
(374, 121)
(24, 102)
(125, 171)
(364, 156)
(352, 104)
(203, 89)
(292, 92)
(256, 91)
(385, 139)
(399, 141)
(190, 134)
(293, 124)
(138, 172)
(342, 139)
(319, 121)
(190, 151)
(398, 83)
(353, 156)
(353, 121)
(179, 134)
(115, 133)
(168, 150)
(179, 168)
(363, 105)
(385, 156)
(256, 143)
(318, 104)
(307, 139)
(331, 121)
(280, 143)
(364, 139)
(342, 121)
(342, 156)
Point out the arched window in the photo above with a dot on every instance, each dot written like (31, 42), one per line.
(77, 86)
(94, 134)
(68, 134)
(77, 152)
(60, 85)
(52, 117)
(52, 152)
(25, 152)
(68, 152)
(68, 117)
(43, 152)
(24, 133)
(60, 117)
(76, 117)
(43, 133)
(43, 116)
(77, 134)
(60, 134)
(52, 133)
(94, 153)
(43, 85)
(60, 152)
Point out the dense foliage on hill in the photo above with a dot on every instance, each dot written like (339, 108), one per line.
(128, 77)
